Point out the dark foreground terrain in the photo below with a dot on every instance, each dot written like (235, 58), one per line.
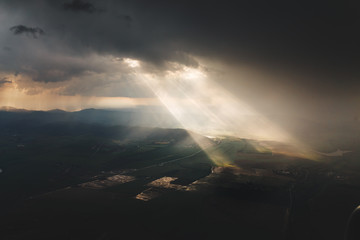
(70, 180)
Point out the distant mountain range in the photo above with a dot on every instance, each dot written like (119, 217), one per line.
(325, 136)
(23, 126)
(125, 117)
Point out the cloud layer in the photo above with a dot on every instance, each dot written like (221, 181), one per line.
(29, 31)
(78, 6)
(306, 52)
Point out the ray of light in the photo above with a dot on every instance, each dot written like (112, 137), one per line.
(202, 106)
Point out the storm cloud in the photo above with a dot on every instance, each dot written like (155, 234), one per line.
(29, 31)
(78, 6)
(290, 52)
(4, 80)
(310, 35)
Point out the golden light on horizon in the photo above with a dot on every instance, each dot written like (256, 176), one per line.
(48, 100)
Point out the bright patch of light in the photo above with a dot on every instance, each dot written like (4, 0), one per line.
(132, 62)
(192, 73)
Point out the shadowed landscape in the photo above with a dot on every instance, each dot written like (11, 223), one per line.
(66, 180)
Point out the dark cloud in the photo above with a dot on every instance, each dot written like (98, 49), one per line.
(126, 18)
(315, 42)
(79, 6)
(4, 80)
(29, 31)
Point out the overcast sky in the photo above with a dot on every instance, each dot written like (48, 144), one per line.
(277, 57)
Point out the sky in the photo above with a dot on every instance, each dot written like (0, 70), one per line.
(218, 60)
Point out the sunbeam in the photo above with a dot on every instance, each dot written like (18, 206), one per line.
(202, 106)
